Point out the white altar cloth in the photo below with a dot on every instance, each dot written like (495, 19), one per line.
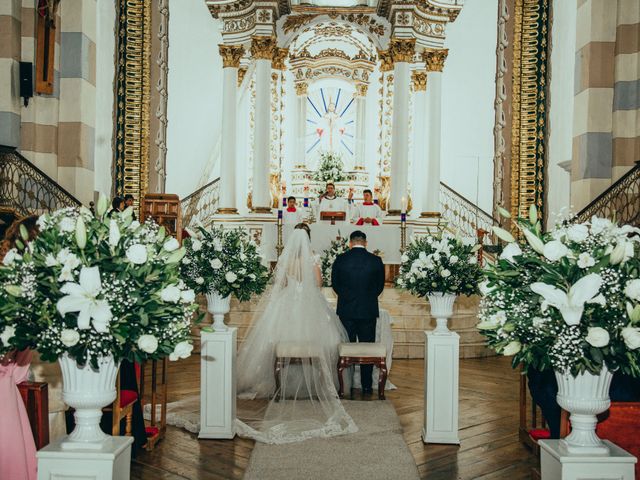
(385, 238)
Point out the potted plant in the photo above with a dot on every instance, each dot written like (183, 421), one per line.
(222, 262)
(440, 267)
(568, 300)
(91, 291)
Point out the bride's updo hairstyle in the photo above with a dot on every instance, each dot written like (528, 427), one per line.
(305, 227)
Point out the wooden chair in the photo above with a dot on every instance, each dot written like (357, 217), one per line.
(157, 398)
(291, 353)
(122, 409)
(35, 396)
(363, 353)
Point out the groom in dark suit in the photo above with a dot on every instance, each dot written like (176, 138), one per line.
(357, 277)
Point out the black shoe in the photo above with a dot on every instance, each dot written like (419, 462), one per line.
(367, 392)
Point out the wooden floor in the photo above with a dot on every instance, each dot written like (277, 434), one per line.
(488, 429)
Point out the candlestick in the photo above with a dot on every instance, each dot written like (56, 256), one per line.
(279, 214)
(306, 202)
(403, 217)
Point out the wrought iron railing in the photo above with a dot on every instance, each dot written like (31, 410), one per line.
(463, 216)
(200, 206)
(27, 190)
(621, 201)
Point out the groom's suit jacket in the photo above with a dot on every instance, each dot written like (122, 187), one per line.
(357, 277)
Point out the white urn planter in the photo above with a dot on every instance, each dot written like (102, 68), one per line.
(442, 309)
(584, 397)
(218, 306)
(88, 391)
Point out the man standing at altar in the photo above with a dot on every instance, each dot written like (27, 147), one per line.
(368, 213)
(292, 215)
(330, 202)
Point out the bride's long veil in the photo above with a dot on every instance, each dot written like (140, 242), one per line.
(287, 363)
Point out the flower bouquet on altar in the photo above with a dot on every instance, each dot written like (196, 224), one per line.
(338, 246)
(440, 267)
(92, 290)
(222, 262)
(330, 169)
(568, 300)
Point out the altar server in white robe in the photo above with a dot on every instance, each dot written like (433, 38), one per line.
(330, 202)
(292, 215)
(367, 213)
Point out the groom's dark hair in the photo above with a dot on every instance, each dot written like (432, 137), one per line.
(358, 236)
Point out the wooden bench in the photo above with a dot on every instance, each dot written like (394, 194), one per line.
(363, 353)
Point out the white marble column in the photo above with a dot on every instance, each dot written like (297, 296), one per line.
(262, 49)
(301, 125)
(419, 136)
(231, 55)
(361, 125)
(402, 51)
(434, 60)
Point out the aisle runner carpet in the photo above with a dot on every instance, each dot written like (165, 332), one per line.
(376, 452)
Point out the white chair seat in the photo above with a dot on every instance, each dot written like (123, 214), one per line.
(362, 350)
(296, 350)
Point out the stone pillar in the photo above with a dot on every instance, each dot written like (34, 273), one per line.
(301, 122)
(262, 49)
(419, 136)
(434, 60)
(361, 125)
(402, 51)
(231, 55)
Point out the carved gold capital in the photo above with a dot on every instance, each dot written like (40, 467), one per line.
(435, 59)
(231, 55)
(279, 56)
(386, 62)
(241, 73)
(402, 49)
(262, 48)
(419, 80)
(301, 89)
(361, 89)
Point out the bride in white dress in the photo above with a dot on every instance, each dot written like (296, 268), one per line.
(287, 363)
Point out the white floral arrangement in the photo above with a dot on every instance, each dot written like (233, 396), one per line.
(337, 247)
(226, 261)
(103, 286)
(440, 263)
(330, 169)
(568, 299)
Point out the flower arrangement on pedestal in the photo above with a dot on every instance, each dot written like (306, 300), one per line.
(222, 262)
(568, 300)
(440, 267)
(338, 246)
(93, 290)
(330, 169)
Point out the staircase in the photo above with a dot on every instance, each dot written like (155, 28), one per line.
(27, 190)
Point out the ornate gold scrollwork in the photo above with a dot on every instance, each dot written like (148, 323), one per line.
(231, 55)
(434, 59)
(402, 49)
(419, 80)
(361, 89)
(301, 89)
(279, 56)
(241, 73)
(386, 62)
(262, 48)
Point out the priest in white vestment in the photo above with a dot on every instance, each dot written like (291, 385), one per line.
(292, 215)
(329, 202)
(367, 213)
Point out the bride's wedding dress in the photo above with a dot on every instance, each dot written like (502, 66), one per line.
(287, 363)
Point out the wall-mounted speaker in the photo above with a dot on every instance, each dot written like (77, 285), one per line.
(26, 81)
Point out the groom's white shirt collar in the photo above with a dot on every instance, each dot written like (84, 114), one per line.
(359, 246)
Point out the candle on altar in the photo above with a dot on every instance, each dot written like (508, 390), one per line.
(403, 208)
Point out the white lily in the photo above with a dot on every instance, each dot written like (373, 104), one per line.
(536, 243)
(81, 298)
(114, 233)
(570, 305)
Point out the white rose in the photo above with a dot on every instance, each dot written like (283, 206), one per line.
(186, 261)
(473, 260)
(500, 317)
(69, 337)
(555, 250)
(199, 280)
(67, 224)
(171, 245)
(488, 324)
(512, 348)
(7, 334)
(622, 252)
(147, 343)
(66, 275)
(585, 260)
(182, 350)
(252, 276)
(597, 337)
(188, 296)
(444, 273)
(217, 245)
(578, 233)
(196, 245)
(404, 258)
(216, 264)
(453, 259)
(599, 225)
(631, 337)
(137, 254)
(632, 289)
(170, 293)
(10, 257)
(510, 251)
(230, 277)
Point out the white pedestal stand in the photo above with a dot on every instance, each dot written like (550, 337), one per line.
(557, 464)
(441, 372)
(218, 384)
(111, 462)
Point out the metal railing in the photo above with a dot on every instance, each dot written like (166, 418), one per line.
(27, 190)
(200, 206)
(621, 201)
(463, 216)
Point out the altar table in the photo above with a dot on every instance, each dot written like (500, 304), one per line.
(385, 238)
